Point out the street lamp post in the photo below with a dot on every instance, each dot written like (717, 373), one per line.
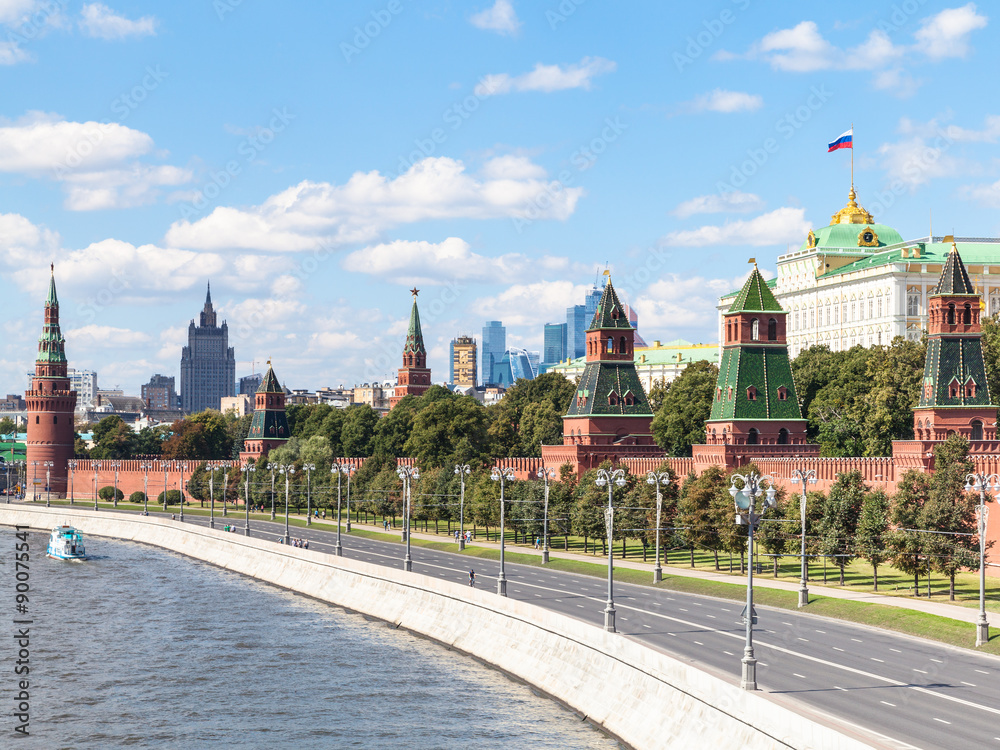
(71, 465)
(116, 465)
(48, 482)
(407, 474)
(183, 467)
(503, 476)
(610, 477)
(211, 497)
(165, 465)
(803, 477)
(248, 469)
(272, 468)
(349, 498)
(34, 481)
(745, 498)
(461, 470)
(661, 480)
(981, 484)
(96, 465)
(340, 470)
(145, 466)
(7, 486)
(308, 469)
(287, 470)
(545, 475)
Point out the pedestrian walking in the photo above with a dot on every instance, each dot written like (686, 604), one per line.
(472, 577)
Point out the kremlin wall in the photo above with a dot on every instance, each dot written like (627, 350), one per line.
(755, 415)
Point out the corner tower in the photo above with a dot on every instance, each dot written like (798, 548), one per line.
(414, 376)
(51, 402)
(954, 396)
(269, 427)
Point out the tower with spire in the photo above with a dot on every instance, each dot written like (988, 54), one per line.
(208, 363)
(50, 402)
(269, 427)
(755, 411)
(414, 376)
(954, 396)
(610, 417)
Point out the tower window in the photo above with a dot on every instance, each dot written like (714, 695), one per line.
(752, 437)
(953, 389)
(55, 419)
(772, 330)
(977, 429)
(782, 436)
(951, 315)
(754, 329)
(970, 388)
(611, 343)
(622, 346)
(967, 314)
(36, 420)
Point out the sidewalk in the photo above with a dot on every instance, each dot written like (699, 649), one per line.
(942, 609)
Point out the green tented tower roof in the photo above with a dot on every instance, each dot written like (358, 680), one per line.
(755, 296)
(414, 336)
(610, 311)
(270, 382)
(954, 278)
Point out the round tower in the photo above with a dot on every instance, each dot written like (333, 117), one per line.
(51, 403)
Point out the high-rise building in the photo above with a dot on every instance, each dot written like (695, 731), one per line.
(414, 376)
(250, 383)
(159, 393)
(514, 365)
(51, 403)
(84, 382)
(463, 362)
(494, 346)
(208, 363)
(554, 343)
(578, 320)
(633, 320)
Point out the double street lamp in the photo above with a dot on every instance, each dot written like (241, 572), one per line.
(272, 468)
(981, 484)
(183, 466)
(661, 480)
(340, 470)
(248, 469)
(309, 469)
(610, 478)
(145, 466)
(503, 476)
(407, 474)
(461, 470)
(545, 475)
(71, 465)
(803, 477)
(287, 470)
(746, 498)
(116, 465)
(97, 466)
(48, 479)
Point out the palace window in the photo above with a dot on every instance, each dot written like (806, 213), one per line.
(853, 312)
(994, 304)
(795, 323)
(880, 307)
(623, 347)
(871, 308)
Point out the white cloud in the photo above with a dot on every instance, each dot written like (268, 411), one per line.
(106, 336)
(720, 100)
(779, 227)
(719, 203)
(946, 34)
(501, 18)
(312, 214)
(547, 78)
(428, 263)
(98, 20)
(511, 167)
(674, 302)
(12, 54)
(987, 195)
(97, 162)
(925, 152)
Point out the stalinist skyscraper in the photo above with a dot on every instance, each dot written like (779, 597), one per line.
(208, 363)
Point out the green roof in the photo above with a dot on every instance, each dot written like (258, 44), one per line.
(414, 336)
(771, 284)
(610, 311)
(755, 296)
(847, 236)
(51, 344)
(972, 253)
(954, 278)
(764, 368)
(954, 359)
(270, 382)
(610, 388)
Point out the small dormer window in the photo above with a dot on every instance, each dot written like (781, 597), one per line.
(613, 399)
(729, 393)
(953, 388)
(615, 314)
(718, 394)
(629, 398)
(751, 393)
(782, 393)
(970, 388)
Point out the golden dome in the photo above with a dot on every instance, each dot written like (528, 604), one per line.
(852, 213)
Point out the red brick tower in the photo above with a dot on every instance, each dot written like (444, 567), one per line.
(269, 428)
(50, 403)
(414, 375)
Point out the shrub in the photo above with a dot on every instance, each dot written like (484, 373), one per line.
(108, 493)
(173, 497)
(137, 497)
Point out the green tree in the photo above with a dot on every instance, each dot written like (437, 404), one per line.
(696, 510)
(113, 439)
(173, 497)
(203, 436)
(358, 431)
(813, 369)
(839, 521)
(448, 431)
(906, 545)
(872, 536)
(838, 413)
(7, 428)
(680, 421)
(657, 393)
(508, 436)
(895, 373)
(951, 511)
(991, 353)
(137, 498)
(393, 430)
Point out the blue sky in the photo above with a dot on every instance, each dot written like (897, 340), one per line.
(315, 160)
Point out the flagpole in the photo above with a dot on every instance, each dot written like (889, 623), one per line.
(852, 156)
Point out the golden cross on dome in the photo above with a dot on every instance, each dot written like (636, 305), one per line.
(414, 292)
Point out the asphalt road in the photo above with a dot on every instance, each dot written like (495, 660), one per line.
(913, 693)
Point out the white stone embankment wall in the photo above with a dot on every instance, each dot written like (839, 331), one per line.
(642, 696)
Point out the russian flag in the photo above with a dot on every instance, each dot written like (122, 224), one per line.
(844, 141)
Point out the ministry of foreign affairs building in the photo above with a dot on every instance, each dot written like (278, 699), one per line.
(208, 363)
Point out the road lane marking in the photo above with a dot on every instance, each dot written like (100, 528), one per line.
(796, 674)
(839, 649)
(880, 661)
(967, 683)
(857, 640)
(896, 650)
(941, 720)
(919, 670)
(981, 671)
(888, 704)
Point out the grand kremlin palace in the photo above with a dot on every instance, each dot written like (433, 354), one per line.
(857, 282)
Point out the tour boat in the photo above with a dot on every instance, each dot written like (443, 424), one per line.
(65, 543)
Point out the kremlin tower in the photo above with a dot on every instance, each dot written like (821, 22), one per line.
(269, 428)
(414, 376)
(51, 403)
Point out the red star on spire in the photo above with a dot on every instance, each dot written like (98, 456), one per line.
(414, 291)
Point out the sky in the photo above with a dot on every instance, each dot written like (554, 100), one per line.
(315, 160)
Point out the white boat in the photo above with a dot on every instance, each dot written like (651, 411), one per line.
(66, 543)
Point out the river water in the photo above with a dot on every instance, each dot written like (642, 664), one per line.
(145, 648)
